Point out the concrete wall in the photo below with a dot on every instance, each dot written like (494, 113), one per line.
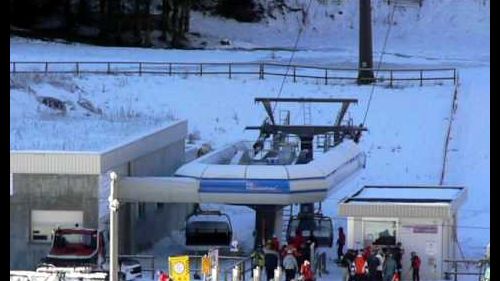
(158, 219)
(46, 192)
(432, 248)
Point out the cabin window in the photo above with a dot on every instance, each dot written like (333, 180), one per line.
(44, 221)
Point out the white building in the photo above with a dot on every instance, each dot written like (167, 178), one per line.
(422, 218)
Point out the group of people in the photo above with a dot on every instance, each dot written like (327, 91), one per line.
(294, 258)
(378, 264)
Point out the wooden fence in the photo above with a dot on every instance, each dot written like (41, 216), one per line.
(319, 73)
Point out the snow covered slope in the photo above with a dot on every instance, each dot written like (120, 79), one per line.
(442, 28)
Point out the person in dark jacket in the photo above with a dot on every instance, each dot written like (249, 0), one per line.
(271, 260)
(398, 256)
(373, 263)
(415, 266)
(346, 262)
(340, 243)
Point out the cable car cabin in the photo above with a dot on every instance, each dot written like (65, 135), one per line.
(208, 228)
(320, 226)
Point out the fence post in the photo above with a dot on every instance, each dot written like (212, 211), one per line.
(326, 76)
(261, 71)
(294, 79)
(109, 68)
(454, 76)
(201, 69)
(390, 80)
(229, 71)
(421, 78)
(46, 67)
(14, 67)
(77, 69)
(140, 68)
(170, 69)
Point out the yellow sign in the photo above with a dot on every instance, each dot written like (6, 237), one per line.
(206, 265)
(179, 268)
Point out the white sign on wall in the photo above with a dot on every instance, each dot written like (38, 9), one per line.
(431, 247)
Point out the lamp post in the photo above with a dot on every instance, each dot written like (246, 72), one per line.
(113, 229)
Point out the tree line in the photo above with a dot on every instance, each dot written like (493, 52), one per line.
(142, 23)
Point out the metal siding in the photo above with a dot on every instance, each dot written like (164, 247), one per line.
(387, 210)
(54, 163)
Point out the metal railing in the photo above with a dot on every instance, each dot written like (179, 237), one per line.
(321, 74)
(226, 272)
(463, 267)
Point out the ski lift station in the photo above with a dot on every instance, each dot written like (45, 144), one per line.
(422, 218)
(156, 182)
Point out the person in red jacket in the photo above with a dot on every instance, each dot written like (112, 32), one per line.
(306, 271)
(415, 266)
(298, 240)
(163, 276)
(275, 243)
(359, 268)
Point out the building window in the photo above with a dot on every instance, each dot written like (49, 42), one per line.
(379, 232)
(44, 221)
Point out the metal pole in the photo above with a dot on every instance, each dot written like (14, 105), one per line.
(365, 74)
(113, 229)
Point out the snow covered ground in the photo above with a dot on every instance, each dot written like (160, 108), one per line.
(407, 126)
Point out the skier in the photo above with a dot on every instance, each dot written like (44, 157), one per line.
(390, 268)
(163, 276)
(306, 271)
(272, 260)
(398, 256)
(340, 243)
(359, 268)
(290, 265)
(258, 258)
(346, 262)
(415, 266)
(373, 264)
(380, 267)
(275, 243)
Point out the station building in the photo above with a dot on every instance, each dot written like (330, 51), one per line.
(422, 218)
(64, 188)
